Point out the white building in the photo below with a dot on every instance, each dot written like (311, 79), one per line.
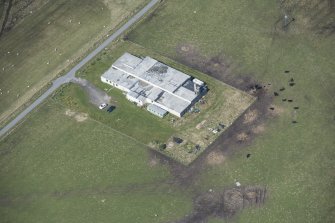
(147, 81)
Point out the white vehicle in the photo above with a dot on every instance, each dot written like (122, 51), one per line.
(102, 106)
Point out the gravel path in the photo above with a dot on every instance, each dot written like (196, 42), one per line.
(96, 95)
(71, 74)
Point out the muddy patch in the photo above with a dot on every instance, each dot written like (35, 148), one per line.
(78, 116)
(250, 116)
(225, 204)
(215, 158)
(242, 136)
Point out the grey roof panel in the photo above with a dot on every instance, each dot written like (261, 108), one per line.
(156, 110)
(152, 71)
(120, 78)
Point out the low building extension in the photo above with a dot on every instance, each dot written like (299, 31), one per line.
(146, 81)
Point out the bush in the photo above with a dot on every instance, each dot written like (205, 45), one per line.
(162, 146)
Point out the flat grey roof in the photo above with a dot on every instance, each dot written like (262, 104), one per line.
(172, 102)
(120, 78)
(186, 94)
(154, 93)
(152, 71)
(164, 86)
(129, 60)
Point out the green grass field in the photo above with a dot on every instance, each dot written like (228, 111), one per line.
(56, 169)
(51, 39)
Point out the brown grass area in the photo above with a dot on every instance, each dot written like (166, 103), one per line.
(258, 129)
(79, 117)
(215, 158)
(277, 110)
(243, 136)
(250, 116)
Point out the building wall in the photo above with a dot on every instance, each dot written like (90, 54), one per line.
(103, 79)
(153, 112)
(132, 99)
(167, 109)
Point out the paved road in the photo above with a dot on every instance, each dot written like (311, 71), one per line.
(71, 74)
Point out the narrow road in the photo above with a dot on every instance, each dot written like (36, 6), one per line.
(71, 74)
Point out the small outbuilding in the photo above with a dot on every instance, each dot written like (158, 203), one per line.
(154, 109)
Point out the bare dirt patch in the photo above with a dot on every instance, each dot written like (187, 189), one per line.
(258, 129)
(241, 137)
(185, 48)
(79, 117)
(250, 116)
(201, 124)
(153, 160)
(70, 113)
(215, 158)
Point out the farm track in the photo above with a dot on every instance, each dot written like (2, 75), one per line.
(71, 74)
(5, 14)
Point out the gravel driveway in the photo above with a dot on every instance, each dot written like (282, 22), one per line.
(96, 95)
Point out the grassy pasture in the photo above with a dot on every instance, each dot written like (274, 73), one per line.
(48, 41)
(296, 162)
(56, 169)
